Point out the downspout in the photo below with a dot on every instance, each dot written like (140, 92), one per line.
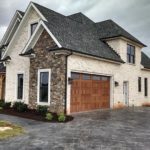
(66, 81)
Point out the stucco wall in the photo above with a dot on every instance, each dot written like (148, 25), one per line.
(119, 73)
(19, 64)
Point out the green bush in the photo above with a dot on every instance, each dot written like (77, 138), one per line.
(20, 106)
(2, 103)
(49, 117)
(42, 110)
(1, 108)
(7, 105)
(61, 117)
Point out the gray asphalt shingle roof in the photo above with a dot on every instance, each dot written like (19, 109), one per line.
(145, 60)
(109, 29)
(21, 12)
(79, 34)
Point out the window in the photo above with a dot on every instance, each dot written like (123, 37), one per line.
(96, 77)
(20, 86)
(139, 84)
(86, 77)
(75, 75)
(33, 27)
(146, 87)
(105, 78)
(130, 54)
(44, 86)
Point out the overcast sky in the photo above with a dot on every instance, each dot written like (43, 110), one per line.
(133, 15)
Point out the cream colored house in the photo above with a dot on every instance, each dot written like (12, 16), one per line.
(73, 64)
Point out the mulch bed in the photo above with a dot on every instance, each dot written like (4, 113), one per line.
(33, 115)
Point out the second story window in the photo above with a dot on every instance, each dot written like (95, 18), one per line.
(33, 27)
(131, 54)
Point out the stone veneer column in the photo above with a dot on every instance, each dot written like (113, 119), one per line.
(45, 59)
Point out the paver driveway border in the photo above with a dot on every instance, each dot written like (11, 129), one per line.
(125, 129)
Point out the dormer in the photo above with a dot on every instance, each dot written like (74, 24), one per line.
(126, 45)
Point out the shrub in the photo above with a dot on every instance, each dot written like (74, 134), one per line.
(2, 103)
(1, 108)
(61, 117)
(42, 110)
(49, 117)
(20, 107)
(7, 105)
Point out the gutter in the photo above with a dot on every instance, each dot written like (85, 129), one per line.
(74, 51)
(66, 81)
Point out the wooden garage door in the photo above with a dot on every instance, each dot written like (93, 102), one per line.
(89, 92)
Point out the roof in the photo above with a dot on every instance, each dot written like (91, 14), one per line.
(21, 12)
(81, 18)
(145, 60)
(77, 36)
(110, 29)
(29, 52)
(7, 58)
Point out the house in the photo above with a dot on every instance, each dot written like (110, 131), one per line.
(73, 64)
(2, 81)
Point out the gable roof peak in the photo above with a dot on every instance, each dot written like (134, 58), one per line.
(110, 29)
(81, 18)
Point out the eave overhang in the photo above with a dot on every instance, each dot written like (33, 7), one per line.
(6, 59)
(85, 54)
(140, 44)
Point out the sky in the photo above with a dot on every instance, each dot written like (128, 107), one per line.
(132, 15)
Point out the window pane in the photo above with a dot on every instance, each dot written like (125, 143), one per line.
(128, 49)
(33, 27)
(132, 50)
(132, 59)
(20, 86)
(105, 78)
(130, 54)
(75, 75)
(44, 77)
(128, 58)
(95, 77)
(86, 77)
(139, 84)
(146, 86)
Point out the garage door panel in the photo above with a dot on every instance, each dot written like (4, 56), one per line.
(89, 92)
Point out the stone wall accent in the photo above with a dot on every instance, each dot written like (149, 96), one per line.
(45, 59)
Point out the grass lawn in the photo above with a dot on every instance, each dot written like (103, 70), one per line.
(12, 130)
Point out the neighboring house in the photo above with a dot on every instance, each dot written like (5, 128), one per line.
(3, 46)
(73, 64)
(2, 81)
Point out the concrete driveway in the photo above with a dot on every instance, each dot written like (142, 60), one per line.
(101, 130)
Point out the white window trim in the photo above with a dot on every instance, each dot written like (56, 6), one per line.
(22, 100)
(29, 27)
(38, 88)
